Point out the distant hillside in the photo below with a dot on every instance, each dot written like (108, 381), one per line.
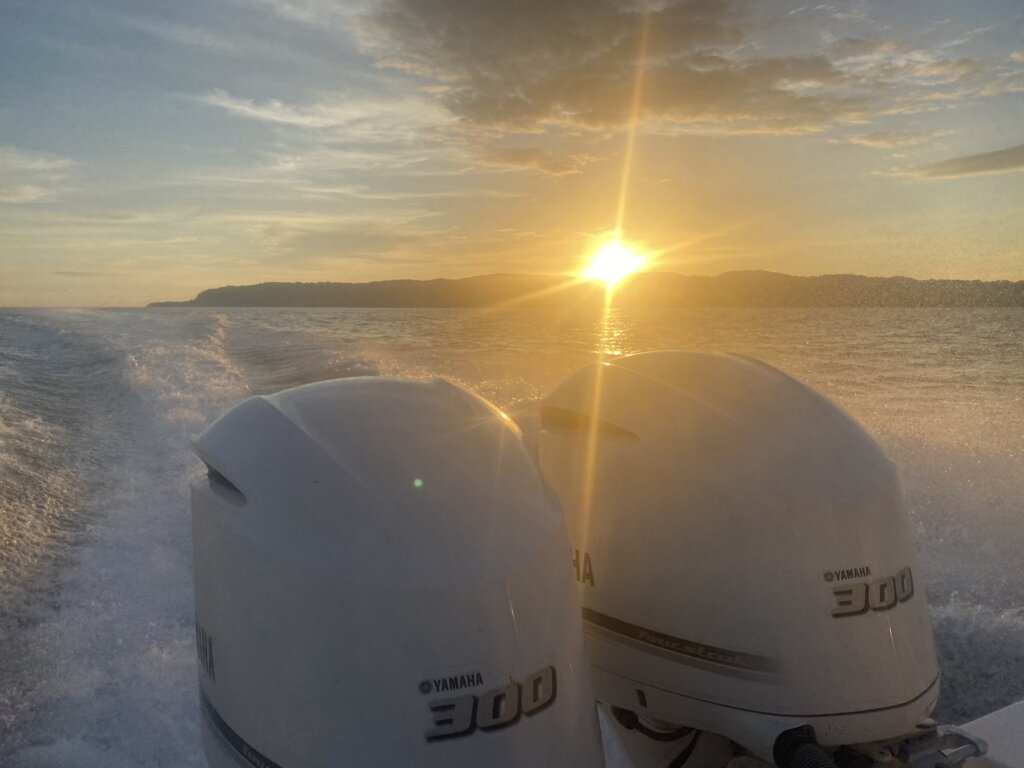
(483, 291)
(731, 289)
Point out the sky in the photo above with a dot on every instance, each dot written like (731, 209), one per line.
(149, 150)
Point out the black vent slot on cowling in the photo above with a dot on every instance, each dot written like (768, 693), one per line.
(564, 420)
(222, 485)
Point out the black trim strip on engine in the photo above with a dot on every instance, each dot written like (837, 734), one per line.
(676, 647)
(242, 749)
(812, 716)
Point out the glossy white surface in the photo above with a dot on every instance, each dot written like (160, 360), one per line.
(385, 539)
(1004, 732)
(722, 506)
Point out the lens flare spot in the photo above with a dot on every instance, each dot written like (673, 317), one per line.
(613, 261)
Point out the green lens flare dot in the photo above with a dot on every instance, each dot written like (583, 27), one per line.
(418, 482)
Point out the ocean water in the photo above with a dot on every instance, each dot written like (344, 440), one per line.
(97, 663)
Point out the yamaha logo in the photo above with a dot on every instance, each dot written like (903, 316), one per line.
(451, 683)
(497, 708)
(880, 595)
(844, 574)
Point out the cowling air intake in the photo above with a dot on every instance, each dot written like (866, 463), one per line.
(381, 580)
(742, 551)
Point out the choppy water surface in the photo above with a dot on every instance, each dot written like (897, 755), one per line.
(97, 407)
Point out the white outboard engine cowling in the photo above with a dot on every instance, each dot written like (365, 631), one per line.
(744, 557)
(382, 580)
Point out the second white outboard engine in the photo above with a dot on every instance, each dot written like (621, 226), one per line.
(745, 563)
(382, 581)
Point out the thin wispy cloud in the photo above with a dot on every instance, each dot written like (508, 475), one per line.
(28, 177)
(966, 37)
(313, 242)
(893, 139)
(321, 14)
(274, 111)
(1005, 82)
(535, 159)
(394, 172)
(887, 62)
(26, 193)
(336, 114)
(367, 193)
(181, 34)
(79, 273)
(999, 161)
(13, 159)
(42, 228)
(339, 119)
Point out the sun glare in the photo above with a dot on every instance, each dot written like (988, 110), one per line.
(613, 261)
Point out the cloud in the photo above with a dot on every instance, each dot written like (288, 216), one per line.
(180, 34)
(26, 193)
(363, 192)
(274, 111)
(505, 40)
(1000, 161)
(75, 273)
(321, 14)
(30, 177)
(1017, 56)
(534, 158)
(966, 37)
(891, 139)
(14, 159)
(522, 64)
(1006, 82)
(888, 61)
(296, 235)
(759, 95)
(519, 64)
(375, 120)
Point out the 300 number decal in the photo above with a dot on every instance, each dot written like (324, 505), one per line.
(881, 595)
(494, 709)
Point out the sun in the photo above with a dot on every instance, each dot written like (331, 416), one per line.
(612, 261)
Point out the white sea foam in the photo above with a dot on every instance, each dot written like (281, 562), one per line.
(114, 669)
(25, 441)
